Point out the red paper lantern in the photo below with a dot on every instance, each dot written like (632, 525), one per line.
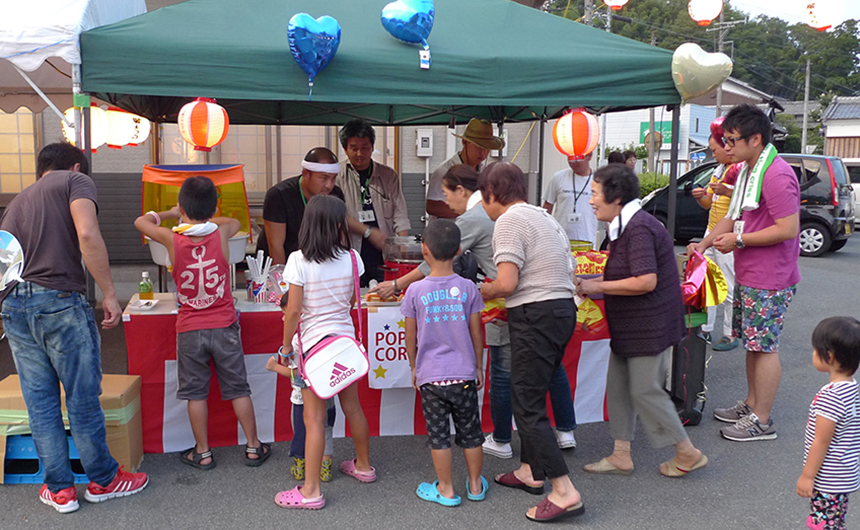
(616, 5)
(576, 134)
(818, 15)
(704, 11)
(203, 123)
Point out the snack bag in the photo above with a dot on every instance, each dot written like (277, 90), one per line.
(494, 309)
(590, 262)
(704, 284)
(589, 317)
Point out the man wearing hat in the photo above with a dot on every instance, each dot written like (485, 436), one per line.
(478, 141)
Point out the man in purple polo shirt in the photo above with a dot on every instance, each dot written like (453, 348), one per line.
(762, 229)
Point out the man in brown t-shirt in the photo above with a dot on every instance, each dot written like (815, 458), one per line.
(52, 330)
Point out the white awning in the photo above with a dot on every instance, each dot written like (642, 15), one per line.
(41, 37)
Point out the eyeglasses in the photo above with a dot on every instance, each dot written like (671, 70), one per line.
(731, 141)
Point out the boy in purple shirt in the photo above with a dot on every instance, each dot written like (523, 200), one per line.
(444, 342)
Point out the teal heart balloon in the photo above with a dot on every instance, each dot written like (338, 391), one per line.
(409, 20)
(313, 42)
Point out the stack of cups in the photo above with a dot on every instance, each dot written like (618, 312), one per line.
(258, 273)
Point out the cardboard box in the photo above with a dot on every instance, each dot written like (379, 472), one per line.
(120, 401)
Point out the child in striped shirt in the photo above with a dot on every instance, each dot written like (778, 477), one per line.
(831, 470)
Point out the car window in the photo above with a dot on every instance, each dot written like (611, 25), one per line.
(839, 171)
(812, 168)
(854, 174)
(702, 178)
(797, 166)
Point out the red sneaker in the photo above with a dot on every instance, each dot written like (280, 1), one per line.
(122, 485)
(64, 501)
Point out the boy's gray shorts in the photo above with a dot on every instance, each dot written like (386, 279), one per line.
(224, 347)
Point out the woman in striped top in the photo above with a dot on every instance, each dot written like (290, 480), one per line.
(831, 470)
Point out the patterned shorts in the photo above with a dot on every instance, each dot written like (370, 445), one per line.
(758, 315)
(827, 511)
(459, 401)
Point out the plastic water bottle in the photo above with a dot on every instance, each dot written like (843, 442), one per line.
(145, 287)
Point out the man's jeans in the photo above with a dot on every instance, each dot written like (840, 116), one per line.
(54, 339)
(500, 395)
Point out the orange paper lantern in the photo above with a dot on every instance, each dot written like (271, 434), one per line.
(576, 133)
(616, 5)
(704, 11)
(203, 123)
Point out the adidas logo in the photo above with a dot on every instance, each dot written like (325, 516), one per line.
(339, 373)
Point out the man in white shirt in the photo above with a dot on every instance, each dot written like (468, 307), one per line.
(567, 197)
(478, 141)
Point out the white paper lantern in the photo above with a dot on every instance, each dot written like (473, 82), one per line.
(121, 128)
(99, 126)
(142, 128)
(704, 11)
(616, 5)
(820, 14)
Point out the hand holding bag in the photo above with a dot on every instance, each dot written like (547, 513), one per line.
(335, 362)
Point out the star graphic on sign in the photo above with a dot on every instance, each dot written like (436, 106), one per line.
(401, 324)
(387, 327)
(445, 318)
(435, 319)
(380, 372)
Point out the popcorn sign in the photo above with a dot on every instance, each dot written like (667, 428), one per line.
(386, 334)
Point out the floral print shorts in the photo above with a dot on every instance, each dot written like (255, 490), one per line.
(827, 511)
(758, 315)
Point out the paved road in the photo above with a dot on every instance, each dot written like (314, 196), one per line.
(747, 485)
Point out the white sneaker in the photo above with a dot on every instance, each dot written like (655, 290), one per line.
(565, 439)
(492, 447)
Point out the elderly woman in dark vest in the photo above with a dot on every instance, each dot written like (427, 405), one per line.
(645, 314)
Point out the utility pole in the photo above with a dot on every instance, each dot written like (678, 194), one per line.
(723, 28)
(589, 12)
(720, 38)
(803, 135)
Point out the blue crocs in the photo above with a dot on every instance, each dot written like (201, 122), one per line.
(430, 492)
(481, 495)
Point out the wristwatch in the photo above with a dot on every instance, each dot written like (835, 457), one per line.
(739, 241)
(366, 233)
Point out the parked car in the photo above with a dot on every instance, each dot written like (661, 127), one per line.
(826, 203)
(854, 177)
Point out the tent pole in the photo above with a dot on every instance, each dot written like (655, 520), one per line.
(42, 95)
(673, 170)
(539, 180)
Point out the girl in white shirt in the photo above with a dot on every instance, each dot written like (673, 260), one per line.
(322, 292)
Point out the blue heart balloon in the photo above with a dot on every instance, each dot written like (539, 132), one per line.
(409, 20)
(313, 42)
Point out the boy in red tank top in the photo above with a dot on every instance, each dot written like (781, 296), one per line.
(207, 325)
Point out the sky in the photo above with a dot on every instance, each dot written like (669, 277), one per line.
(793, 11)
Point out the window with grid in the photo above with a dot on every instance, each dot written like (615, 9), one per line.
(17, 151)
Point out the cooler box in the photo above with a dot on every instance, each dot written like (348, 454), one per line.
(120, 401)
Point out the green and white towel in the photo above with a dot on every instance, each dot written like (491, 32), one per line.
(749, 184)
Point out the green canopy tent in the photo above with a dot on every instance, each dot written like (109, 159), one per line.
(493, 59)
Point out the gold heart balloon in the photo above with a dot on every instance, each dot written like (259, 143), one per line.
(697, 72)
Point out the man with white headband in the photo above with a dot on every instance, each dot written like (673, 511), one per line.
(374, 198)
(285, 203)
